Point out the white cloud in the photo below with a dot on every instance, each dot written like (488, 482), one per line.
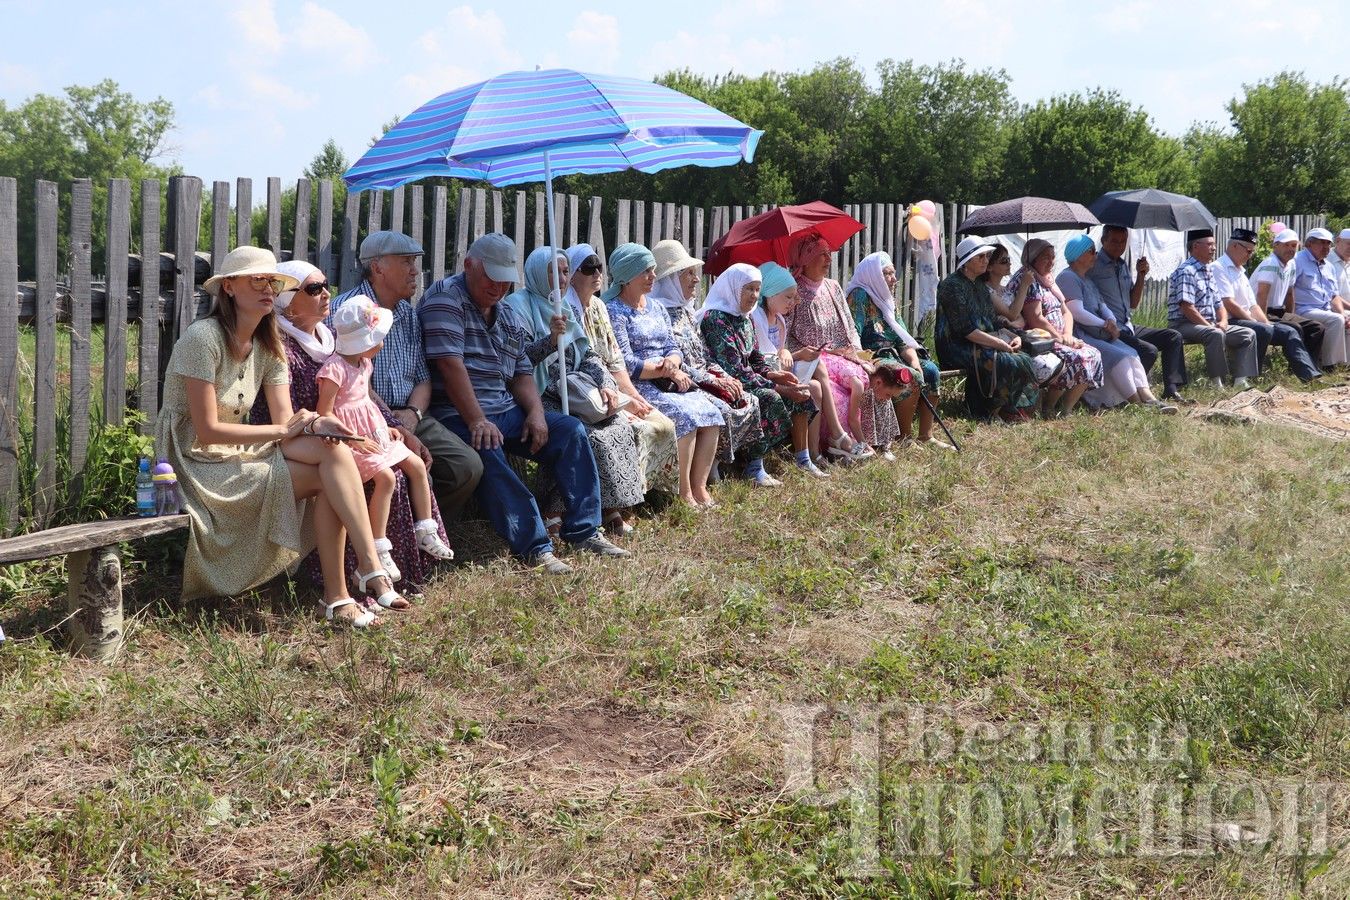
(324, 30)
(476, 42)
(595, 37)
(269, 90)
(17, 79)
(259, 34)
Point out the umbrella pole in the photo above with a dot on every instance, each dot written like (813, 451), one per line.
(923, 395)
(557, 280)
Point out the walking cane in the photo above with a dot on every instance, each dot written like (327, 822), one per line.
(923, 395)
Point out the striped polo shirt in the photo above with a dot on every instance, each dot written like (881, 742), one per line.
(493, 354)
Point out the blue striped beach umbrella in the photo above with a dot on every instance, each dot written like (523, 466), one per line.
(527, 126)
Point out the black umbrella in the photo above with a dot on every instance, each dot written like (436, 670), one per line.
(1151, 208)
(1027, 214)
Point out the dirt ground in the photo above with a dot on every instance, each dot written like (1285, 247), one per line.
(1325, 412)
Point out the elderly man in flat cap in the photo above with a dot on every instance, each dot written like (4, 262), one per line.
(1317, 296)
(1243, 310)
(1195, 309)
(389, 270)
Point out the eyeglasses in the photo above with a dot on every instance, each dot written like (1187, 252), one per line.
(315, 290)
(589, 269)
(262, 282)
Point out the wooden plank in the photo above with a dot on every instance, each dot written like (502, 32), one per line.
(658, 216)
(479, 212)
(668, 231)
(518, 221)
(462, 228)
(396, 210)
(300, 245)
(639, 221)
(415, 232)
(595, 230)
(348, 266)
(697, 248)
(273, 216)
(438, 201)
(682, 234)
(540, 212)
(148, 353)
(81, 274)
(44, 366)
(573, 221)
(621, 219)
(9, 349)
(85, 536)
(325, 259)
(243, 213)
(187, 203)
(557, 235)
(498, 224)
(374, 212)
(115, 297)
(220, 222)
(737, 213)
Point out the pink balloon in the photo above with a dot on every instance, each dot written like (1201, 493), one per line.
(929, 210)
(1277, 227)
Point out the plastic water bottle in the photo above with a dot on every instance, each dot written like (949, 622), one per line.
(145, 490)
(167, 500)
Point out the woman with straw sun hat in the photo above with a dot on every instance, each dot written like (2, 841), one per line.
(259, 496)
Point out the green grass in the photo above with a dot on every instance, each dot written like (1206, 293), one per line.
(613, 733)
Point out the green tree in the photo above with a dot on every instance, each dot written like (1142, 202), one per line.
(1078, 146)
(97, 132)
(1289, 150)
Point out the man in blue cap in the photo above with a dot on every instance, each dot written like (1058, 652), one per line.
(389, 269)
(483, 389)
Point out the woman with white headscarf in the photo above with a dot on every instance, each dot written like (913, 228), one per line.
(871, 297)
(657, 365)
(611, 440)
(654, 433)
(677, 276)
(307, 343)
(785, 407)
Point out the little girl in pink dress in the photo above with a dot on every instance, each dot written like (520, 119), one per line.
(344, 391)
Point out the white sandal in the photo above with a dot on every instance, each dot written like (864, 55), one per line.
(383, 549)
(430, 543)
(389, 597)
(362, 620)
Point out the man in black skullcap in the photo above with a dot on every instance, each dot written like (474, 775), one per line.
(1195, 309)
(1240, 300)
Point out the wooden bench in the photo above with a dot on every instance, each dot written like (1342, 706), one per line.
(94, 573)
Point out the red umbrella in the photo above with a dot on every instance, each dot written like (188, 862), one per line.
(768, 236)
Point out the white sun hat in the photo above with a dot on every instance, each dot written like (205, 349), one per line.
(359, 325)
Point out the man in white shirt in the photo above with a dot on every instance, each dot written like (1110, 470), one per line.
(1317, 297)
(1235, 289)
(1273, 282)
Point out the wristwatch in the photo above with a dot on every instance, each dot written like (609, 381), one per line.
(414, 410)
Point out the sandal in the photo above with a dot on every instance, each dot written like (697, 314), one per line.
(430, 543)
(834, 449)
(383, 549)
(616, 524)
(390, 599)
(361, 620)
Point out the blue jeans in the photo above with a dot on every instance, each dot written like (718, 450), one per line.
(1289, 339)
(508, 503)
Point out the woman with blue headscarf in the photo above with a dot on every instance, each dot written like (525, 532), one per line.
(653, 431)
(657, 366)
(616, 456)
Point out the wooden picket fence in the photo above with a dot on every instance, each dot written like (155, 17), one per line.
(164, 296)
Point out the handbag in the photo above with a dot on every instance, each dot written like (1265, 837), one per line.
(1036, 342)
(723, 393)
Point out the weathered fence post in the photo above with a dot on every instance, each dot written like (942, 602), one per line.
(148, 353)
(81, 319)
(439, 196)
(243, 212)
(9, 349)
(348, 267)
(273, 216)
(220, 222)
(300, 244)
(323, 237)
(44, 364)
(115, 300)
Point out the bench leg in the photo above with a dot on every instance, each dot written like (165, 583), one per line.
(94, 598)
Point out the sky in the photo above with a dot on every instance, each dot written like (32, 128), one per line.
(259, 85)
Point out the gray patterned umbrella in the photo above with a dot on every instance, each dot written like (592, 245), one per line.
(1027, 214)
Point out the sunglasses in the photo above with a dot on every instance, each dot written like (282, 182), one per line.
(590, 266)
(589, 270)
(315, 290)
(262, 282)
